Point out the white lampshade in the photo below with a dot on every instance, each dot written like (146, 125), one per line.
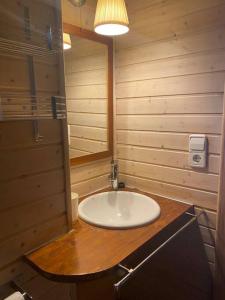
(66, 41)
(111, 17)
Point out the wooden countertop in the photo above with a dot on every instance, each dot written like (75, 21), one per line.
(88, 251)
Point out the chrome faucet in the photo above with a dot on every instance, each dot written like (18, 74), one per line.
(113, 177)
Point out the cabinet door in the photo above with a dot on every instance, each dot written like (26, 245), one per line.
(179, 271)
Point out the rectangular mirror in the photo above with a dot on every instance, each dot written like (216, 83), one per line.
(89, 94)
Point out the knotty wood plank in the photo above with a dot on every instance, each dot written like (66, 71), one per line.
(164, 140)
(88, 119)
(33, 187)
(186, 178)
(16, 163)
(99, 134)
(208, 124)
(16, 220)
(183, 104)
(178, 66)
(13, 248)
(172, 191)
(87, 106)
(50, 130)
(93, 91)
(91, 146)
(165, 158)
(178, 85)
(90, 170)
(91, 185)
(213, 38)
(181, 26)
(87, 78)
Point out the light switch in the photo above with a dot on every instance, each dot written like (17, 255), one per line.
(198, 150)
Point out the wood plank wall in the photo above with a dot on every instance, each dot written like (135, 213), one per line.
(86, 96)
(88, 178)
(33, 186)
(32, 179)
(170, 72)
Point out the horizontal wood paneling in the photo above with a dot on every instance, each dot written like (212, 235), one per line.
(181, 177)
(88, 145)
(179, 85)
(169, 11)
(9, 78)
(32, 182)
(88, 178)
(77, 153)
(144, 31)
(37, 160)
(185, 65)
(213, 38)
(16, 246)
(38, 185)
(86, 78)
(89, 62)
(21, 218)
(135, 6)
(185, 123)
(91, 185)
(92, 120)
(46, 75)
(71, 14)
(86, 89)
(170, 74)
(164, 140)
(89, 171)
(50, 130)
(184, 104)
(172, 191)
(100, 134)
(33, 206)
(87, 106)
(164, 157)
(93, 92)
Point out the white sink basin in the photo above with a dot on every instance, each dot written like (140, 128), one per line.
(118, 209)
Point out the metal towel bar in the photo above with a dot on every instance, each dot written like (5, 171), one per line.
(131, 272)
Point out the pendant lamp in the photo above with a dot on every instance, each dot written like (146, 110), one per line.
(111, 17)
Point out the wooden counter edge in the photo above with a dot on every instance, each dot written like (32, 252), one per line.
(90, 276)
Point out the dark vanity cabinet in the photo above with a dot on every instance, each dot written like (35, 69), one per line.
(162, 260)
(178, 271)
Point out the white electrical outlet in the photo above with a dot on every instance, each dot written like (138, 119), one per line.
(198, 150)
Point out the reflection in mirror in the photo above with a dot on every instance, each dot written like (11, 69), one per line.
(86, 82)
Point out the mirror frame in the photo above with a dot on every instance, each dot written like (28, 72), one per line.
(90, 35)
